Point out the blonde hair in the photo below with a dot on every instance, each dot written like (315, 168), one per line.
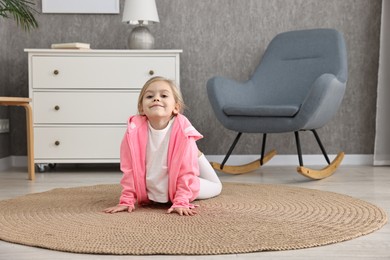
(175, 91)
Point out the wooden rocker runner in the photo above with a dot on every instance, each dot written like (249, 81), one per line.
(239, 169)
(323, 173)
(298, 86)
(305, 171)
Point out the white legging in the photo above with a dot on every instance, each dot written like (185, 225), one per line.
(210, 185)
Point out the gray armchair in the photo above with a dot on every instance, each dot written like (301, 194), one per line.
(298, 85)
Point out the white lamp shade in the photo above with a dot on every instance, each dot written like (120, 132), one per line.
(140, 10)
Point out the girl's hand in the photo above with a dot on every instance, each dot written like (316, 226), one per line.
(118, 208)
(182, 211)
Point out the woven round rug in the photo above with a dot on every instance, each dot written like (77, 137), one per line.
(244, 218)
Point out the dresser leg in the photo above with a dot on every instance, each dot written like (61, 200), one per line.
(41, 167)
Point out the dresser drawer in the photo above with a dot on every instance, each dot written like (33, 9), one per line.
(84, 107)
(86, 72)
(82, 142)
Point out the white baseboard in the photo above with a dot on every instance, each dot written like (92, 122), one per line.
(381, 163)
(5, 163)
(19, 161)
(278, 160)
(13, 161)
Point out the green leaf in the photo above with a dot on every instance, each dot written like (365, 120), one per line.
(21, 11)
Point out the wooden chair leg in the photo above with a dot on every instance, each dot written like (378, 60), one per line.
(25, 102)
(30, 142)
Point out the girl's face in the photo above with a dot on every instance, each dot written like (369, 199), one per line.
(158, 102)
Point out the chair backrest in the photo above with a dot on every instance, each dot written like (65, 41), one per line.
(294, 60)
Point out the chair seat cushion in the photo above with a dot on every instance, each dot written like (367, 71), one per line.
(261, 111)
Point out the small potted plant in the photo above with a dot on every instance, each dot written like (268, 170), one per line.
(21, 11)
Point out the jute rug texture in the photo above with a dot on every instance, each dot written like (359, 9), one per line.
(244, 218)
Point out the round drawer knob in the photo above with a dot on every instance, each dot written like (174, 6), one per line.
(57, 108)
(151, 72)
(56, 72)
(57, 143)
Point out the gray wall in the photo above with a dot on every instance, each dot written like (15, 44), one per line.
(220, 37)
(4, 79)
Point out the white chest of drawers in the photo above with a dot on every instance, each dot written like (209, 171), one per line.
(82, 99)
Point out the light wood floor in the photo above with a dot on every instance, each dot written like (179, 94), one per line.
(371, 184)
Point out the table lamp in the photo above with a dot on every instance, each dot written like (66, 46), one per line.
(140, 13)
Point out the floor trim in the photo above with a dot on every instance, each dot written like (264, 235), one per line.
(381, 162)
(5, 163)
(278, 160)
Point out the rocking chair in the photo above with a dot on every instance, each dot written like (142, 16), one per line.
(298, 85)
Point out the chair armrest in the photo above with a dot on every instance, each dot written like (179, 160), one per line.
(224, 91)
(322, 102)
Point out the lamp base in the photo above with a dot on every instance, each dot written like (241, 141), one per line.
(140, 38)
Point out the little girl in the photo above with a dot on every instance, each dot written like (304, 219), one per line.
(159, 157)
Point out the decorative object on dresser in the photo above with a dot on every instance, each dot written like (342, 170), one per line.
(82, 99)
(140, 13)
(71, 45)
